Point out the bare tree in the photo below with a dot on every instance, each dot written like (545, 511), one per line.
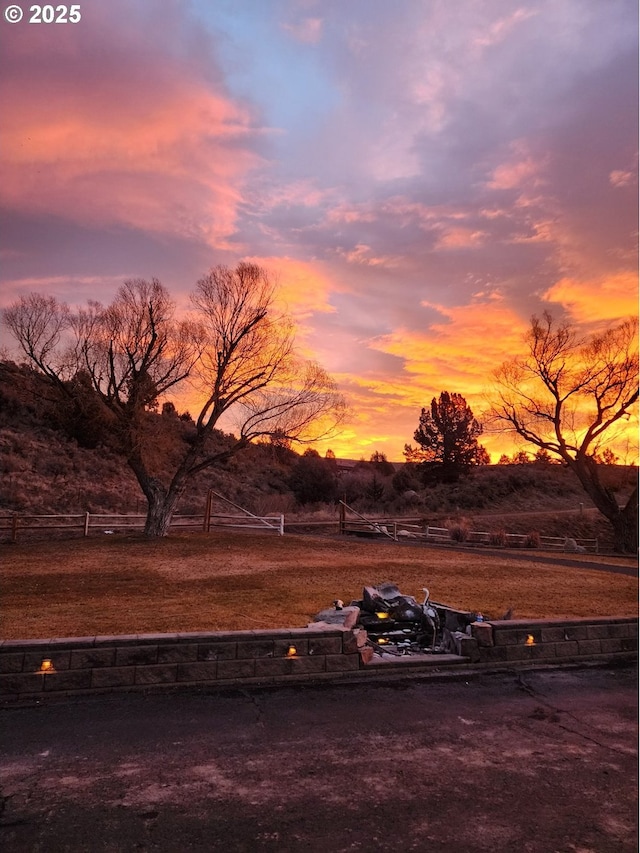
(236, 350)
(568, 396)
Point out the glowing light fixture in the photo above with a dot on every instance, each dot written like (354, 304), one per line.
(529, 641)
(292, 652)
(47, 666)
(382, 615)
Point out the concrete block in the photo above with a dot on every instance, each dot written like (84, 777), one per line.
(178, 653)
(255, 649)
(523, 653)
(77, 679)
(347, 617)
(342, 663)
(236, 668)
(576, 632)
(113, 676)
(156, 674)
(307, 664)
(494, 654)
(198, 671)
(507, 637)
(597, 632)
(553, 635)
(366, 654)
(482, 632)
(64, 643)
(136, 655)
(589, 647)
(25, 645)
(465, 646)
(620, 630)
(610, 646)
(21, 682)
(216, 651)
(328, 646)
(281, 647)
(117, 640)
(268, 667)
(570, 648)
(353, 641)
(629, 644)
(11, 662)
(33, 660)
(90, 658)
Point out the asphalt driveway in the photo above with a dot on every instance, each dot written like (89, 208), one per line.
(540, 762)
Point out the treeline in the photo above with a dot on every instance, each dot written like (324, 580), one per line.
(50, 464)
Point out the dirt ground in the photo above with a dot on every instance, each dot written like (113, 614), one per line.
(540, 762)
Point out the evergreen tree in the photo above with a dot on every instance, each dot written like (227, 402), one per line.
(447, 436)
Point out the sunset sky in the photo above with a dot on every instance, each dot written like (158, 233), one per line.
(421, 175)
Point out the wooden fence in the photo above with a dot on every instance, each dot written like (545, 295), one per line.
(402, 529)
(85, 524)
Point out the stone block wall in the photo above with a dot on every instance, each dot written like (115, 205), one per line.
(41, 669)
(44, 668)
(555, 641)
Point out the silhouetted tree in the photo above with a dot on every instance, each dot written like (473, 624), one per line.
(566, 395)
(381, 464)
(447, 436)
(238, 354)
(313, 479)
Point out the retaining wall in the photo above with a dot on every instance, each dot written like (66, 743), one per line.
(41, 669)
(549, 641)
(32, 668)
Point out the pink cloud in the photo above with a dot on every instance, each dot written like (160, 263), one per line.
(167, 152)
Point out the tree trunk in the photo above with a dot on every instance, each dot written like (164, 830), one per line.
(625, 527)
(159, 515)
(624, 521)
(161, 502)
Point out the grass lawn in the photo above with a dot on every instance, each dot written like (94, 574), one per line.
(221, 581)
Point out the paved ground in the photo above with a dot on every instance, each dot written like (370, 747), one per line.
(541, 762)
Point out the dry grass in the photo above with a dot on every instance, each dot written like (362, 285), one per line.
(195, 582)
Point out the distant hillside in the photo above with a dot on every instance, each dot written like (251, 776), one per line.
(48, 466)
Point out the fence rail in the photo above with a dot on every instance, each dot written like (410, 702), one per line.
(83, 524)
(397, 530)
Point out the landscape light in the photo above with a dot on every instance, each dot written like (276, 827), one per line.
(292, 652)
(46, 666)
(529, 641)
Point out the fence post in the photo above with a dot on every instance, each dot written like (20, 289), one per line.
(281, 529)
(342, 519)
(14, 529)
(86, 524)
(395, 531)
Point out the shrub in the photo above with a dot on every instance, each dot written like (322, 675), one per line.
(499, 538)
(459, 532)
(532, 539)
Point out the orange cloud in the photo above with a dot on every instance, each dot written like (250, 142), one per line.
(601, 300)
(302, 291)
(458, 354)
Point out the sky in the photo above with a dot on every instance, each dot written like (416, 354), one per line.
(421, 176)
